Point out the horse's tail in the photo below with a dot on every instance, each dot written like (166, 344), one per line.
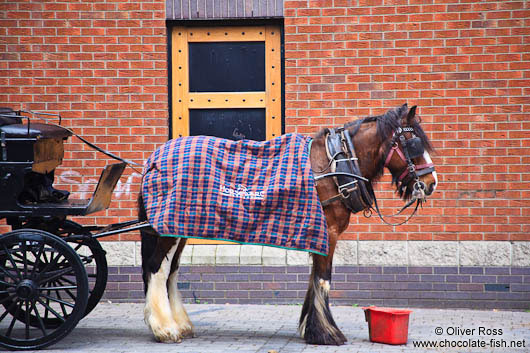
(142, 216)
(149, 239)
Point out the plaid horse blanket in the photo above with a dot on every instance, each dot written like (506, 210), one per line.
(241, 191)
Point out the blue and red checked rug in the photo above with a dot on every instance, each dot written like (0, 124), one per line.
(241, 191)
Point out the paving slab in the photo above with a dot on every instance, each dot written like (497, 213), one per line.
(114, 327)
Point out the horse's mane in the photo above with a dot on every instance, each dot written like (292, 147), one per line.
(386, 124)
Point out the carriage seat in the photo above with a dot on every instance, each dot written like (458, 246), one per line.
(36, 130)
(9, 116)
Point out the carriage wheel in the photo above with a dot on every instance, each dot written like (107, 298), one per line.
(41, 278)
(93, 257)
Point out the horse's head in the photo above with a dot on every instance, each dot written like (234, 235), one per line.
(405, 153)
(357, 154)
(395, 140)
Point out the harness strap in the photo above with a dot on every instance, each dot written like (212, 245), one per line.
(332, 174)
(427, 168)
(331, 200)
(418, 202)
(366, 197)
(394, 148)
(345, 171)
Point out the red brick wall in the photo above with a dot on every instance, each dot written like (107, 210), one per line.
(103, 66)
(466, 64)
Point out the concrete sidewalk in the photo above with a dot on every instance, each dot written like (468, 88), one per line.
(261, 328)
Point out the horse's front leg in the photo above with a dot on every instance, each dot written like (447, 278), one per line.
(316, 322)
(175, 300)
(156, 268)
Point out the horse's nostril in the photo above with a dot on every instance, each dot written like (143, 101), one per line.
(430, 189)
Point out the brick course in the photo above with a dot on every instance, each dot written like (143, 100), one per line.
(351, 285)
(104, 66)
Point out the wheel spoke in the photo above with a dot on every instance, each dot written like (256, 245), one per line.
(17, 257)
(68, 292)
(7, 284)
(50, 309)
(26, 317)
(45, 257)
(12, 260)
(9, 274)
(64, 279)
(25, 259)
(37, 259)
(51, 263)
(57, 288)
(39, 319)
(19, 260)
(7, 310)
(12, 324)
(72, 295)
(59, 274)
(60, 301)
(46, 311)
(7, 298)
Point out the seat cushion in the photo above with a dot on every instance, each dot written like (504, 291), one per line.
(36, 130)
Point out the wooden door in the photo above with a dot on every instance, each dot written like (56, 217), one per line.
(227, 82)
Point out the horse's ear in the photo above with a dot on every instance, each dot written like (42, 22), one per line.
(411, 114)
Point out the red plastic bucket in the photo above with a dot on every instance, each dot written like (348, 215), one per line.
(387, 325)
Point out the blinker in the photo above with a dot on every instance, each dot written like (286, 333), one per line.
(414, 147)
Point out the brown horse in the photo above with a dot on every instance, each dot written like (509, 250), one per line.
(345, 162)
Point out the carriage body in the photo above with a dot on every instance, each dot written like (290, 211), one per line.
(53, 271)
(33, 151)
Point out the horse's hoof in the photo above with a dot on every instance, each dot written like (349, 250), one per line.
(187, 332)
(327, 341)
(325, 338)
(167, 335)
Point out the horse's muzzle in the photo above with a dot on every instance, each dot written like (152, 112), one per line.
(430, 189)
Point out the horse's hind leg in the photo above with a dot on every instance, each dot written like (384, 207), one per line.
(175, 300)
(156, 267)
(316, 322)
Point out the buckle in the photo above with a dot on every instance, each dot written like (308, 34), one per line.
(346, 189)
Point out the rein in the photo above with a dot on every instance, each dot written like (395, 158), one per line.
(355, 191)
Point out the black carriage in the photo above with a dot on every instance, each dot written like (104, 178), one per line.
(53, 271)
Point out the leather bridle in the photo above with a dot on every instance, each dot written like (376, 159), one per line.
(412, 148)
(355, 191)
